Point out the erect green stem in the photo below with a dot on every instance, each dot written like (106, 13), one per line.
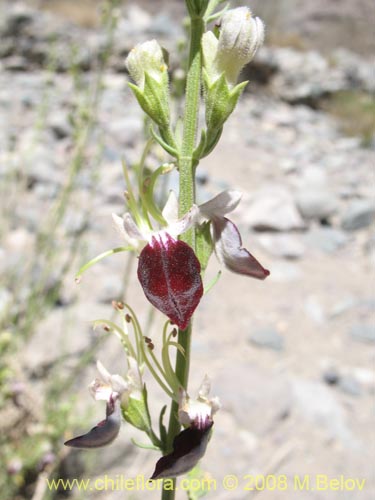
(186, 200)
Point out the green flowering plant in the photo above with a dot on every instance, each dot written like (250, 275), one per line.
(174, 243)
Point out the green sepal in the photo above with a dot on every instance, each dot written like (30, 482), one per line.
(204, 245)
(198, 151)
(172, 151)
(157, 96)
(220, 100)
(162, 428)
(137, 413)
(153, 99)
(213, 137)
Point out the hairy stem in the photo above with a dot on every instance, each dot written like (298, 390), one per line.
(186, 200)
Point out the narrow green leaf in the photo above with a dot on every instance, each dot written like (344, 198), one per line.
(99, 258)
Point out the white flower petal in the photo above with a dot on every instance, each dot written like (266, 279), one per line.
(118, 223)
(228, 247)
(103, 372)
(132, 229)
(204, 389)
(186, 222)
(134, 375)
(170, 210)
(100, 391)
(222, 204)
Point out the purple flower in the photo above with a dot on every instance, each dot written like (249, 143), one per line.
(189, 446)
(116, 392)
(227, 238)
(168, 269)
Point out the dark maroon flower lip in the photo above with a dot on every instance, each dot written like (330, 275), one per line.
(169, 273)
(188, 448)
(104, 432)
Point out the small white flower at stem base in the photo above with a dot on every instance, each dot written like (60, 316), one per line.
(189, 446)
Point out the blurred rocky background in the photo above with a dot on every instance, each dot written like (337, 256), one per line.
(292, 358)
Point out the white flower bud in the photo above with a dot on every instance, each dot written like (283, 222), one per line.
(148, 58)
(241, 35)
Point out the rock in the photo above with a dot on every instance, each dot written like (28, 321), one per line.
(360, 214)
(126, 130)
(316, 204)
(331, 376)
(274, 209)
(343, 306)
(284, 272)
(76, 222)
(60, 125)
(202, 176)
(363, 332)
(255, 409)
(314, 310)
(319, 405)
(282, 245)
(268, 338)
(314, 199)
(350, 385)
(326, 239)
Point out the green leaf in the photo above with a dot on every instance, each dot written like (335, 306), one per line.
(172, 151)
(137, 414)
(156, 94)
(162, 428)
(100, 257)
(204, 245)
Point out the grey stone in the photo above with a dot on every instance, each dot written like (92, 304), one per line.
(331, 376)
(360, 214)
(60, 125)
(316, 204)
(274, 209)
(268, 338)
(326, 239)
(314, 310)
(126, 130)
(363, 332)
(75, 222)
(350, 385)
(265, 400)
(319, 405)
(284, 272)
(282, 245)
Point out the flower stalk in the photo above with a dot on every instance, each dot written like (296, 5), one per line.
(174, 244)
(186, 166)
